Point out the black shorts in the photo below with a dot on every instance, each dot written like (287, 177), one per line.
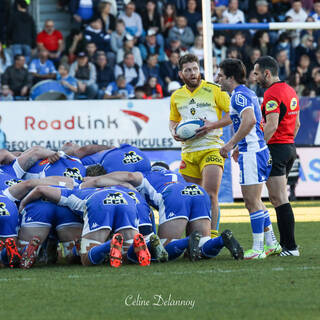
(283, 156)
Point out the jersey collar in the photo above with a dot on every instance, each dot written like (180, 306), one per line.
(196, 90)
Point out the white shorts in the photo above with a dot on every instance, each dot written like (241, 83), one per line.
(255, 167)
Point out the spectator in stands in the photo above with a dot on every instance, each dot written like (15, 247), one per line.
(316, 61)
(180, 5)
(173, 86)
(17, 77)
(233, 14)
(295, 82)
(113, 6)
(315, 82)
(255, 54)
(5, 59)
(4, 19)
(252, 84)
(131, 71)
(91, 50)
(316, 10)
(197, 47)
(281, 8)
(261, 12)
(51, 39)
(117, 36)
(129, 47)
(22, 31)
(132, 20)
(284, 43)
(304, 69)
(175, 46)
(150, 46)
(6, 94)
(152, 69)
(192, 15)
(169, 70)
(151, 18)
(85, 74)
(182, 32)
(305, 47)
(82, 11)
(261, 40)
(168, 18)
(243, 48)
(69, 83)
(139, 92)
(233, 53)
(296, 12)
(104, 74)
(219, 47)
(75, 42)
(284, 64)
(153, 89)
(42, 68)
(121, 6)
(107, 18)
(119, 89)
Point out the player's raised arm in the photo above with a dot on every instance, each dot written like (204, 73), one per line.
(105, 181)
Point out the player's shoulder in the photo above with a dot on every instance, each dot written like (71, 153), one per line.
(211, 85)
(178, 92)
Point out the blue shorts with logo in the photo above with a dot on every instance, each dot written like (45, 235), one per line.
(110, 209)
(184, 200)
(9, 217)
(46, 214)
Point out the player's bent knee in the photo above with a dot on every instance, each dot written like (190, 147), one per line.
(86, 245)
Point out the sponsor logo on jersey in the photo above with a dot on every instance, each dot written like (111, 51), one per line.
(134, 197)
(293, 103)
(12, 182)
(114, 199)
(192, 190)
(3, 210)
(73, 173)
(43, 162)
(271, 105)
(131, 157)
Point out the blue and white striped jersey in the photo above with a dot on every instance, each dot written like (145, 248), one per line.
(241, 99)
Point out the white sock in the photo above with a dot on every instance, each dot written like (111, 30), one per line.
(258, 241)
(270, 236)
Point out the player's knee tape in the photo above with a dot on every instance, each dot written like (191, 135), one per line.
(126, 245)
(203, 240)
(67, 248)
(87, 243)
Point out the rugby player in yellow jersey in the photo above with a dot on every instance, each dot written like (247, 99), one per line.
(198, 99)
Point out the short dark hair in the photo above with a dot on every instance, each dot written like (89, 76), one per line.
(95, 170)
(189, 57)
(18, 56)
(234, 68)
(268, 63)
(158, 165)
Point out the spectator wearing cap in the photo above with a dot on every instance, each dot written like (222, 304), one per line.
(21, 35)
(150, 46)
(42, 68)
(119, 89)
(182, 32)
(152, 69)
(129, 47)
(51, 39)
(132, 20)
(117, 36)
(86, 76)
(69, 83)
(233, 14)
(107, 18)
(192, 15)
(296, 12)
(131, 71)
(104, 74)
(17, 77)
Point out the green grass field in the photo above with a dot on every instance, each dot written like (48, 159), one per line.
(220, 288)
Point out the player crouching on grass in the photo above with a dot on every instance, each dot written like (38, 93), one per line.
(180, 203)
(251, 153)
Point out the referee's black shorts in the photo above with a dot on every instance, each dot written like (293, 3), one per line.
(283, 156)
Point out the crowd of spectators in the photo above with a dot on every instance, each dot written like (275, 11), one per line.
(119, 49)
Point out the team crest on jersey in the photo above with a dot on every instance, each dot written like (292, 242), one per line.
(3, 210)
(293, 103)
(115, 198)
(271, 105)
(134, 197)
(192, 190)
(73, 173)
(12, 182)
(193, 111)
(131, 157)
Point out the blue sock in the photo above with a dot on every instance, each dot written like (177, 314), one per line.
(131, 255)
(4, 257)
(97, 254)
(257, 221)
(212, 247)
(267, 220)
(176, 248)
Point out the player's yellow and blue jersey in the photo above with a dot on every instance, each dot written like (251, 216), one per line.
(207, 101)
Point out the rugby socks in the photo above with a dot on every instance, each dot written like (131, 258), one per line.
(97, 254)
(257, 226)
(212, 247)
(4, 257)
(131, 255)
(214, 233)
(268, 230)
(285, 219)
(176, 247)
